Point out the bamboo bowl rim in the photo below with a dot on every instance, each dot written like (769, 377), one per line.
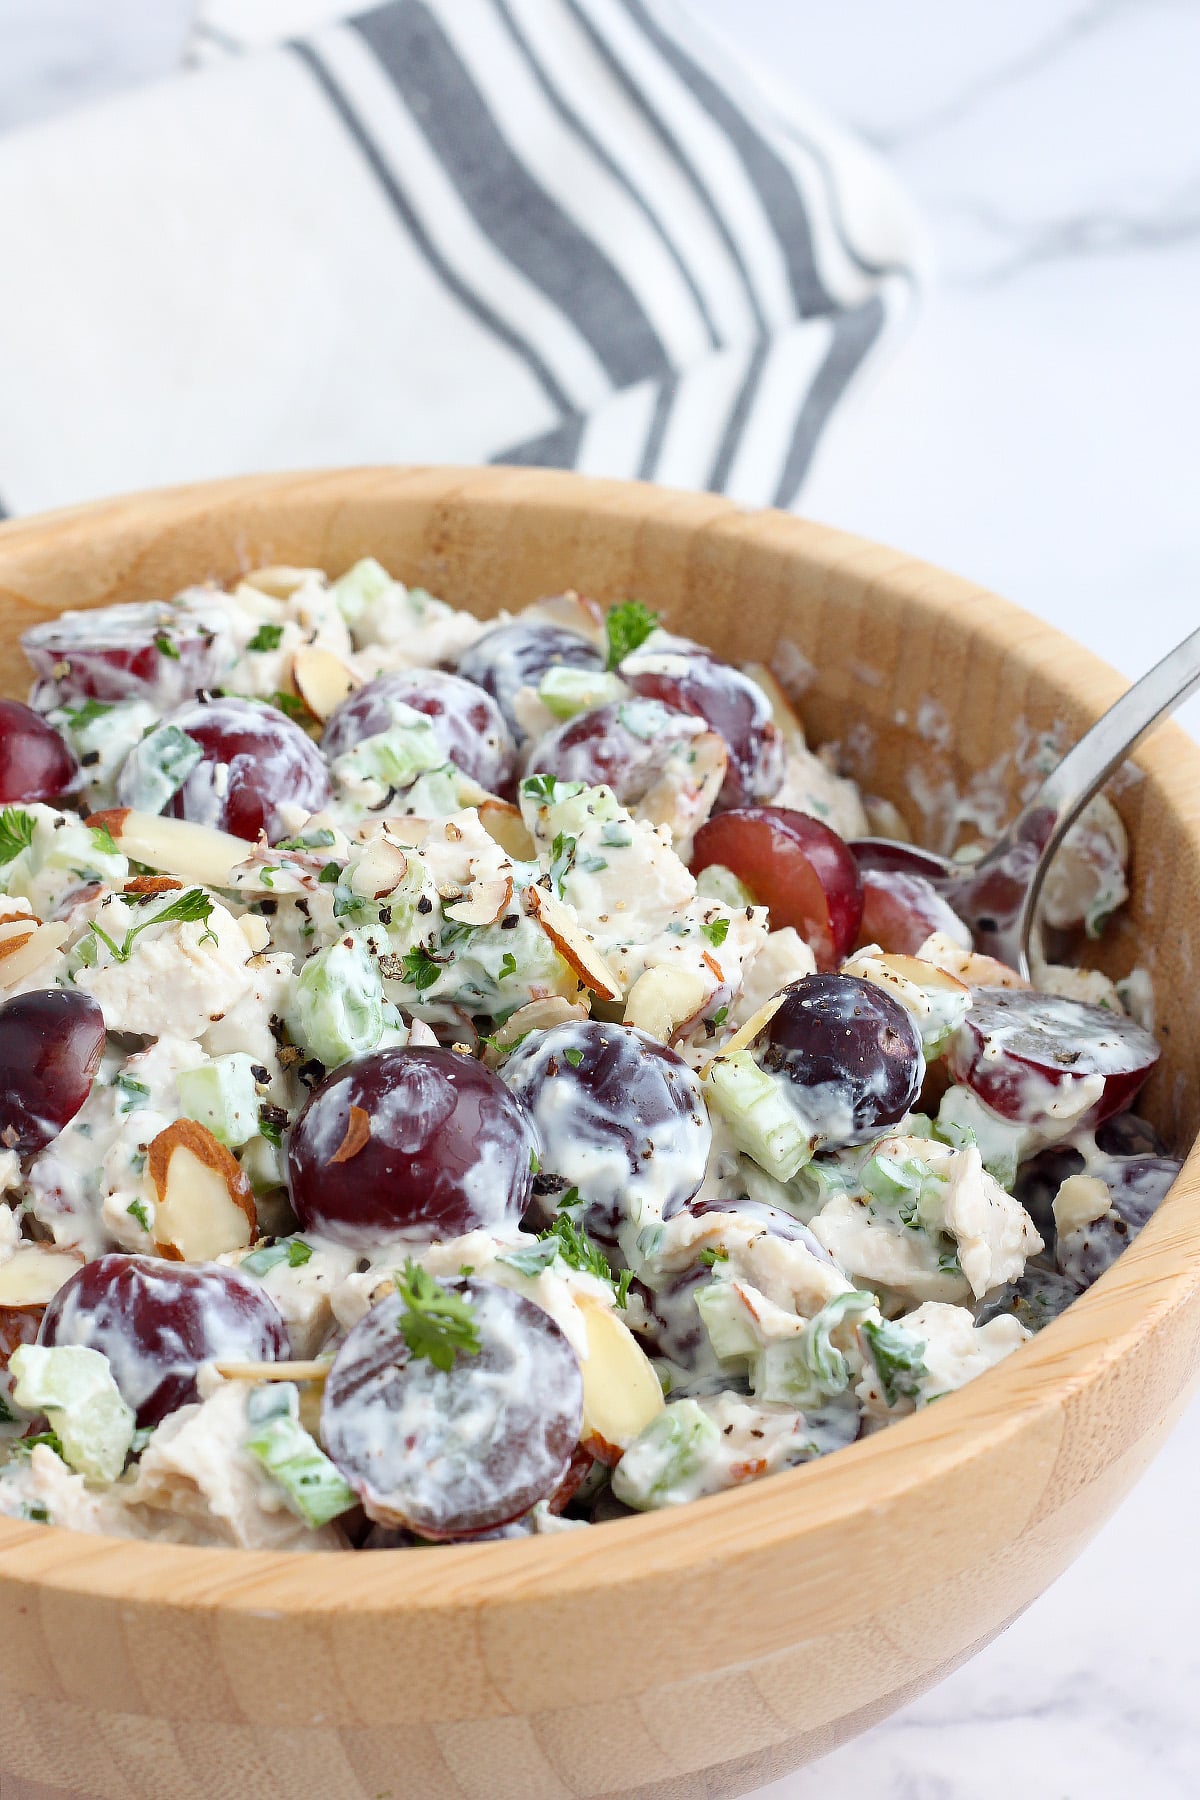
(1155, 1277)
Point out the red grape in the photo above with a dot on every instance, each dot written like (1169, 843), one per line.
(51, 1042)
(1035, 1299)
(692, 680)
(468, 725)
(514, 656)
(146, 652)
(254, 761)
(620, 1117)
(1017, 1048)
(1127, 1135)
(624, 746)
(417, 1144)
(900, 911)
(887, 857)
(35, 764)
(456, 1452)
(794, 865)
(1138, 1185)
(158, 1321)
(853, 1051)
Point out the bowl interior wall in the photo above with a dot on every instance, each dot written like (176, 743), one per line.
(920, 680)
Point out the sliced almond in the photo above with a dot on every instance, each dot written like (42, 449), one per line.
(175, 846)
(274, 1371)
(16, 911)
(322, 679)
(280, 581)
(621, 1392)
(256, 932)
(684, 795)
(538, 1015)
(967, 966)
(205, 1204)
(486, 903)
(782, 711)
(152, 884)
(34, 1273)
(572, 942)
(745, 1034)
(504, 824)
(358, 1136)
(36, 951)
(572, 611)
(662, 999)
(14, 933)
(381, 868)
(411, 832)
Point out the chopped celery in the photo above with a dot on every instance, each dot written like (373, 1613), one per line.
(565, 692)
(157, 767)
(395, 757)
(719, 883)
(898, 1357)
(222, 1096)
(310, 1483)
(759, 1112)
(809, 1369)
(1002, 1142)
(661, 1466)
(726, 1321)
(360, 587)
(75, 1389)
(338, 1010)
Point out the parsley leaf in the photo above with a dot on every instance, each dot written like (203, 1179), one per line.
(627, 627)
(562, 854)
(137, 1210)
(102, 840)
(574, 1245)
(716, 931)
(16, 832)
(421, 969)
(623, 1287)
(574, 1057)
(292, 705)
(711, 1256)
(508, 964)
(435, 1322)
(266, 638)
(539, 787)
(192, 908)
(91, 710)
(135, 1094)
(164, 646)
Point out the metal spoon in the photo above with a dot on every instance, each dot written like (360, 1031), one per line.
(997, 896)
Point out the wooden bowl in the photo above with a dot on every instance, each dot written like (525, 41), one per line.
(709, 1649)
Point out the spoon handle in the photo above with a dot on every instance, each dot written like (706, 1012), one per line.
(1085, 768)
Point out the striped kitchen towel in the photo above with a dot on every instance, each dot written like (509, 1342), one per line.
(565, 232)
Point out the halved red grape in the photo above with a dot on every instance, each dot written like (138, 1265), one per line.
(1125, 1134)
(886, 856)
(515, 656)
(35, 763)
(51, 1042)
(150, 651)
(624, 746)
(674, 1331)
(416, 1144)
(691, 679)
(1035, 1299)
(1038, 1181)
(900, 911)
(452, 1453)
(1138, 1185)
(796, 866)
(254, 761)
(853, 1051)
(468, 725)
(1020, 1051)
(158, 1321)
(620, 1117)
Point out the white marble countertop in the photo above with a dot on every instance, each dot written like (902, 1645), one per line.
(1038, 432)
